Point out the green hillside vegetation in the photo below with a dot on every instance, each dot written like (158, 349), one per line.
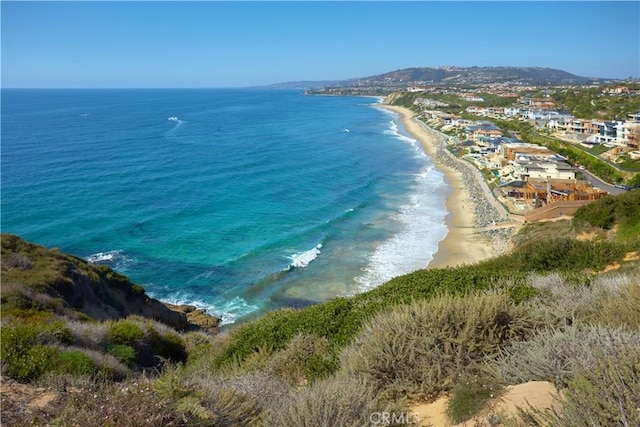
(592, 103)
(549, 311)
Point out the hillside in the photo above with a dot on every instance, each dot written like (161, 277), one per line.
(557, 310)
(480, 75)
(455, 76)
(35, 278)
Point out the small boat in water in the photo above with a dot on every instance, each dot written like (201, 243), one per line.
(173, 118)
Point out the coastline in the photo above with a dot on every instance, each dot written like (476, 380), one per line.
(463, 244)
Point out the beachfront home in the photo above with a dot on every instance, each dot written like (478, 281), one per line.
(484, 135)
(548, 170)
(512, 150)
(548, 198)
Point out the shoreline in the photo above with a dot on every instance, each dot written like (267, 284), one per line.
(463, 244)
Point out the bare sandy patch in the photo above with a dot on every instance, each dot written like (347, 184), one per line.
(540, 395)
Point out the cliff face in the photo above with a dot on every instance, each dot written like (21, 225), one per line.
(34, 277)
(392, 97)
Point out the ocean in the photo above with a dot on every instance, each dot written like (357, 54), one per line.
(234, 200)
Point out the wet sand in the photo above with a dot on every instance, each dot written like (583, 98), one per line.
(462, 245)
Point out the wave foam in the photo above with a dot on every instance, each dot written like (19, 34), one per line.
(422, 228)
(115, 259)
(103, 256)
(303, 259)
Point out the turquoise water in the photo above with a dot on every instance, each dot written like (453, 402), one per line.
(236, 200)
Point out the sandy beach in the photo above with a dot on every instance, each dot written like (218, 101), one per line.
(463, 244)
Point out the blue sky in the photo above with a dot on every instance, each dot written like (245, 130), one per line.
(227, 44)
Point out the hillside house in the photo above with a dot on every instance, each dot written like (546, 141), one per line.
(548, 170)
(484, 135)
(511, 151)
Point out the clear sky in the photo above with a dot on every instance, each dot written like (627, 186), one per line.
(226, 44)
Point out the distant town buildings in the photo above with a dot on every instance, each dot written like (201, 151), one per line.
(531, 179)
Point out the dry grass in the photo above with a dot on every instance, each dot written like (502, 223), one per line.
(291, 364)
(556, 355)
(609, 298)
(606, 393)
(132, 403)
(418, 350)
(90, 335)
(622, 309)
(340, 400)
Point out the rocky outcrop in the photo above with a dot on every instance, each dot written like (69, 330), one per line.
(36, 277)
(197, 317)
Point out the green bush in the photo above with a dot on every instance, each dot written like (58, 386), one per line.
(124, 353)
(559, 255)
(168, 346)
(623, 209)
(340, 319)
(470, 395)
(304, 360)
(24, 358)
(125, 333)
(75, 362)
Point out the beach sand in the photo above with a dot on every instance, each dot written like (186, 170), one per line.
(462, 245)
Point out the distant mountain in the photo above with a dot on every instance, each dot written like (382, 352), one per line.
(479, 75)
(536, 76)
(305, 84)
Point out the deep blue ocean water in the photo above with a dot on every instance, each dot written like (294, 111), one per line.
(235, 200)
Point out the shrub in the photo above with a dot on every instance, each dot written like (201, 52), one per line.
(125, 333)
(55, 332)
(339, 320)
(556, 355)
(565, 303)
(106, 364)
(622, 309)
(340, 400)
(14, 298)
(137, 290)
(225, 401)
(26, 316)
(168, 346)
(124, 353)
(558, 255)
(606, 393)
(418, 350)
(623, 209)
(23, 357)
(303, 360)
(93, 335)
(75, 362)
(470, 395)
(227, 407)
(17, 260)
